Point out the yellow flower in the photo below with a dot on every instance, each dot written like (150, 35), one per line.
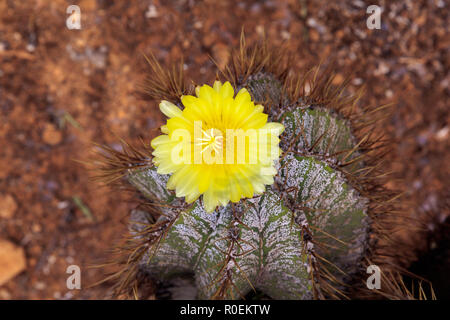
(218, 146)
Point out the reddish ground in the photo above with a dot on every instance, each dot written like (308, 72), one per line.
(61, 89)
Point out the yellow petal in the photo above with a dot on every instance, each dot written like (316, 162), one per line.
(204, 180)
(209, 201)
(227, 91)
(166, 167)
(159, 140)
(275, 128)
(169, 109)
(217, 86)
(259, 108)
(192, 197)
(207, 93)
(164, 129)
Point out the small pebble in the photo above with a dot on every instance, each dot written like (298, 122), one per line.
(8, 206)
(12, 261)
(442, 134)
(51, 135)
(151, 12)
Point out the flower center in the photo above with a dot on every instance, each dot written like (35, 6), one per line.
(212, 138)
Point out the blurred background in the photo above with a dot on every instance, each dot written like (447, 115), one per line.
(60, 89)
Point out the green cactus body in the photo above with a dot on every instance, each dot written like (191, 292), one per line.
(311, 218)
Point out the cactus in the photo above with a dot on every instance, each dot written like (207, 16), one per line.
(306, 236)
(263, 243)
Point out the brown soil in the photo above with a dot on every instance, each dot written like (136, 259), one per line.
(60, 89)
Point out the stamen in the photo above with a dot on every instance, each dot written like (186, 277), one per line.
(210, 141)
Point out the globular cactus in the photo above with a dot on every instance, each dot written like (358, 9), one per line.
(266, 242)
(305, 236)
